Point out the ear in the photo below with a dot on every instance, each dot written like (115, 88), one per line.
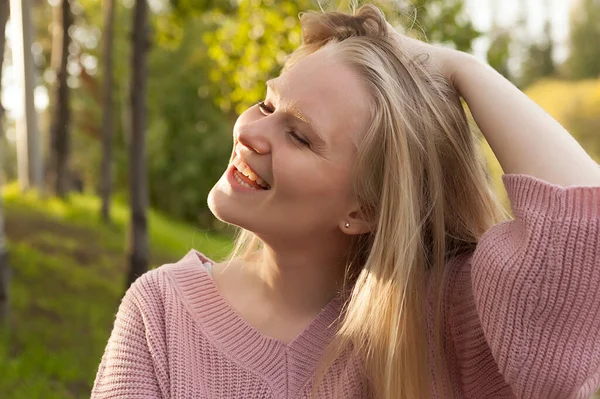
(355, 223)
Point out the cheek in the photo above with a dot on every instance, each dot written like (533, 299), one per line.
(318, 184)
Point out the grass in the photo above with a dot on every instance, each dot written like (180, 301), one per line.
(68, 277)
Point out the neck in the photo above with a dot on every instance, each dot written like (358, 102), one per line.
(303, 278)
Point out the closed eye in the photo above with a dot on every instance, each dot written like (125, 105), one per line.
(298, 139)
(267, 110)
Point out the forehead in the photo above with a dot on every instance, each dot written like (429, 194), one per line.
(329, 94)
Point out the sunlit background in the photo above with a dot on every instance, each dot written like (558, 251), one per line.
(65, 220)
(483, 13)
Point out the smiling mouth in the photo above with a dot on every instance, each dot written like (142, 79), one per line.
(244, 175)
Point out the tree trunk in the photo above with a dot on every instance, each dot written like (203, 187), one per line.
(4, 267)
(138, 237)
(107, 121)
(28, 141)
(59, 127)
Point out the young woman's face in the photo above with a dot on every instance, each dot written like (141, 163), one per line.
(299, 148)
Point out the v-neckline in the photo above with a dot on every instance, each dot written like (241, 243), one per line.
(233, 334)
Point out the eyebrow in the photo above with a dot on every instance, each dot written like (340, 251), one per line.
(295, 111)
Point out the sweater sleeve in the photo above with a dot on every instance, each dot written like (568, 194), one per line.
(128, 368)
(536, 287)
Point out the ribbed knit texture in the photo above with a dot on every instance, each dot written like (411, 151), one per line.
(521, 319)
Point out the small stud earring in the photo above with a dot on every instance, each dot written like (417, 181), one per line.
(347, 225)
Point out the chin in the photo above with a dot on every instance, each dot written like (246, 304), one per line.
(215, 202)
(221, 206)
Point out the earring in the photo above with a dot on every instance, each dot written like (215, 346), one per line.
(347, 225)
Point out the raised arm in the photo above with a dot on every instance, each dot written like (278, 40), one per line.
(524, 138)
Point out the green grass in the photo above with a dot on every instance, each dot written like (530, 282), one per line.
(166, 236)
(68, 277)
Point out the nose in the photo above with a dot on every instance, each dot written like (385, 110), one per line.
(253, 135)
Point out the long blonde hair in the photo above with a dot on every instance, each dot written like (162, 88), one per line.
(421, 178)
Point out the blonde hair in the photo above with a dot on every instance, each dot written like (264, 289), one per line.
(421, 178)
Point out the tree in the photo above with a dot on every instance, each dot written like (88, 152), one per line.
(442, 21)
(189, 138)
(28, 141)
(250, 44)
(59, 128)
(538, 62)
(86, 84)
(138, 238)
(584, 40)
(4, 266)
(107, 121)
(498, 53)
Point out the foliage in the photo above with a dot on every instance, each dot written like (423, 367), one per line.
(583, 119)
(580, 115)
(538, 62)
(442, 21)
(584, 41)
(249, 46)
(189, 139)
(203, 52)
(184, 8)
(498, 53)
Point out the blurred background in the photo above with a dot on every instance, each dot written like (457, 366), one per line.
(116, 122)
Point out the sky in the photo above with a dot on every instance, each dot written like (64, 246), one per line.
(480, 11)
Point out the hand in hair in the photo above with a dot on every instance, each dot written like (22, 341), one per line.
(439, 58)
(524, 138)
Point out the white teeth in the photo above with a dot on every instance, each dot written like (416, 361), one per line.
(248, 172)
(243, 183)
(252, 176)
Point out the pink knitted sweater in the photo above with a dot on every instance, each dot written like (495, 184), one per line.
(522, 319)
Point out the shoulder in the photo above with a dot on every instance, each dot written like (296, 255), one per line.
(171, 279)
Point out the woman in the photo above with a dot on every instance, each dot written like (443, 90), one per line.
(362, 269)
